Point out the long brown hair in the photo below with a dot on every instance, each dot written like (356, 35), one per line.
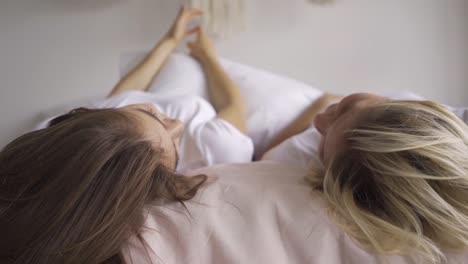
(74, 192)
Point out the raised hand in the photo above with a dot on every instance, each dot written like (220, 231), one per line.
(141, 76)
(202, 48)
(178, 30)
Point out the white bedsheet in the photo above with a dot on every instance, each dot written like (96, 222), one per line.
(252, 213)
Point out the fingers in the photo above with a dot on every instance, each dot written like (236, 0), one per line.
(188, 14)
(182, 10)
(196, 12)
(192, 14)
(193, 30)
(190, 45)
(185, 17)
(200, 33)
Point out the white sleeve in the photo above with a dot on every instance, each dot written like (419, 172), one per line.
(220, 142)
(298, 150)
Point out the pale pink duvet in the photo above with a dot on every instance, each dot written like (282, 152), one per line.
(252, 213)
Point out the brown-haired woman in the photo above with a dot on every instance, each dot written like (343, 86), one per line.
(74, 192)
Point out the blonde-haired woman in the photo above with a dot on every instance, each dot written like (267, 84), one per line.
(394, 172)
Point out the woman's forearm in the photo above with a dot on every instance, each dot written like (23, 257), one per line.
(142, 75)
(224, 93)
(301, 123)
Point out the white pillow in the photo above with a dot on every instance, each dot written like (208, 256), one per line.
(272, 101)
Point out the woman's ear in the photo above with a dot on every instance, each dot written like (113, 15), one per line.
(187, 187)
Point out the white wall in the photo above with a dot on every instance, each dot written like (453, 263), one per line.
(57, 51)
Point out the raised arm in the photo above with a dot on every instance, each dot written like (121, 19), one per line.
(223, 91)
(142, 75)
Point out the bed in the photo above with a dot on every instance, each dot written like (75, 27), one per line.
(261, 212)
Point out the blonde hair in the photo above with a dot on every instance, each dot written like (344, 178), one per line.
(401, 184)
